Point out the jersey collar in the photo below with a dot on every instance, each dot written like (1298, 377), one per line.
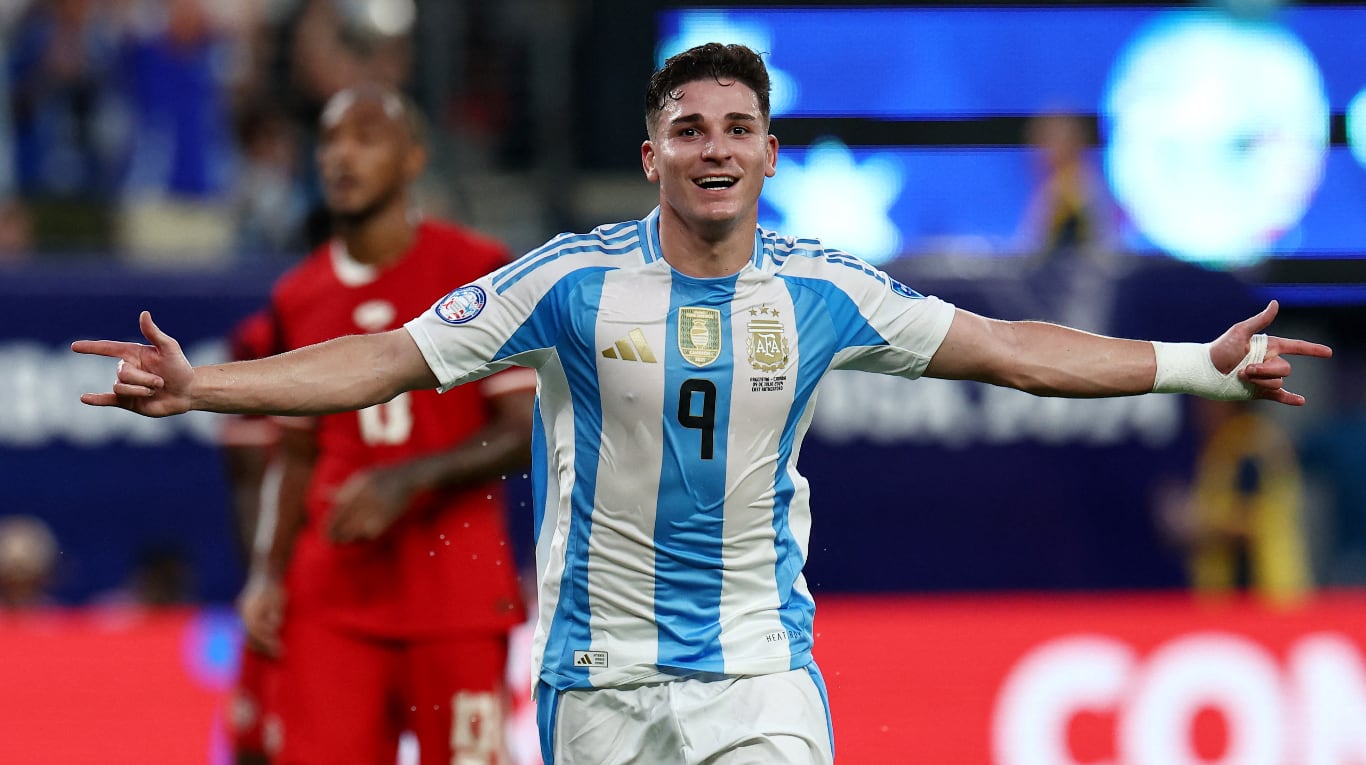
(648, 229)
(350, 272)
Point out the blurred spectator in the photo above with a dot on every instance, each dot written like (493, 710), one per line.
(162, 577)
(178, 191)
(28, 561)
(1241, 522)
(16, 232)
(1070, 224)
(1071, 211)
(337, 45)
(270, 200)
(71, 122)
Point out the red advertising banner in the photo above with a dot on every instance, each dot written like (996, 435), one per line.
(114, 687)
(1099, 680)
(1131, 679)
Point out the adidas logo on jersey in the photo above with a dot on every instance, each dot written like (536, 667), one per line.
(590, 658)
(631, 348)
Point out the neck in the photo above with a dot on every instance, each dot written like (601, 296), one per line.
(705, 252)
(379, 239)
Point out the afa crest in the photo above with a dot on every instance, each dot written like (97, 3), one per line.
(767, 342)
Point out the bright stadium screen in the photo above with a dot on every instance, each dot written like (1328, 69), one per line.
(1226, 141)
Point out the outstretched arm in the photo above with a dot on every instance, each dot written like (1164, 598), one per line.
(1051, 360)
(347, 373)
(262, 601)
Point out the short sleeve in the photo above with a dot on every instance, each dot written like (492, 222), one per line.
(877, 323)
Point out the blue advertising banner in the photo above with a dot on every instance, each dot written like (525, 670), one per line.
(115, 487)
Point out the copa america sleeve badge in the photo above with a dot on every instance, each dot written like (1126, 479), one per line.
(461, 305)
(903, 290)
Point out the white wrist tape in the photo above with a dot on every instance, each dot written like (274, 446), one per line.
(1186, 368)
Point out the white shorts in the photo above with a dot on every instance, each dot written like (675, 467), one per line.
(779, 719)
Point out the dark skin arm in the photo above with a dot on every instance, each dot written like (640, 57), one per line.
(244, 467)
(262, 601)
(371, 500)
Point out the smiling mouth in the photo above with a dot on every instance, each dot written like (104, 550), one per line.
(715, 182)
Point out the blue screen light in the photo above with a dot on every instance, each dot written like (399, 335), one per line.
(1356, 127)
(1218, 134)
(845, 202)
(1219, 155)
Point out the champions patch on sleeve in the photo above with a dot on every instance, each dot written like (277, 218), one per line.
(903, 290)
(461, 305)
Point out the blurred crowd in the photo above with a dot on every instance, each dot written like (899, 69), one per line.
(179, 131)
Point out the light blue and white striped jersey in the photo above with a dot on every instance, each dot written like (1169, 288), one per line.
(671, 521)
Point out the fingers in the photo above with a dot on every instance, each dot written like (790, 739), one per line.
(352, 526)
(1261, 321)
(116, 348)
(1273, 367)
(154, 334)
(1291, 347)
(124, 390)
(99, 399)
(1280, 395)
(262, 615)
(265, 637)
(131, 375)
(111, 348)
(1269, 380)
(339, 522)
(1269, 375)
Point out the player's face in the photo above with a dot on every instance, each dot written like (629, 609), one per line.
(365, 157)
(710, 153)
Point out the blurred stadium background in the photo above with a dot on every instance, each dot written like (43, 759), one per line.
(1000, 579)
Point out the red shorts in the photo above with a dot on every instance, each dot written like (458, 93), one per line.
(248, 703)
(344, 699)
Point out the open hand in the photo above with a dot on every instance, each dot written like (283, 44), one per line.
(262, 608)
(367, 505)
(152, 380)
(1268, 375)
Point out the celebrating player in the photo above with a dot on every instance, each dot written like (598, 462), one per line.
(678, 358)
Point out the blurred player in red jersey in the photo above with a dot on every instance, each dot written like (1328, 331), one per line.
(248, 443)
(400, 581)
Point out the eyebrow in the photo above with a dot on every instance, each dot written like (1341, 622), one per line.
(694, 118)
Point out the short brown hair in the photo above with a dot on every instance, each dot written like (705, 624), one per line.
(722, 63)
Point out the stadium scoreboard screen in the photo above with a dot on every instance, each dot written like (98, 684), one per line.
(1224, 140)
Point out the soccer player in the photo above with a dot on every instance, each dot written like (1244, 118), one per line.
(384, 583)
(678, 358)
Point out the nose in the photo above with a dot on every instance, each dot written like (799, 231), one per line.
(715, 148)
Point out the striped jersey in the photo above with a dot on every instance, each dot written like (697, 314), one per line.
(671, 522)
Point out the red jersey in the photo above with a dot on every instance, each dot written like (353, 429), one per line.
(446, 565)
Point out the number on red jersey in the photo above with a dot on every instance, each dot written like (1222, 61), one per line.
(387, 424)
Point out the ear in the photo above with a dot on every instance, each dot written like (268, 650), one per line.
(771, 166)
(415, 162)
(647, 161)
